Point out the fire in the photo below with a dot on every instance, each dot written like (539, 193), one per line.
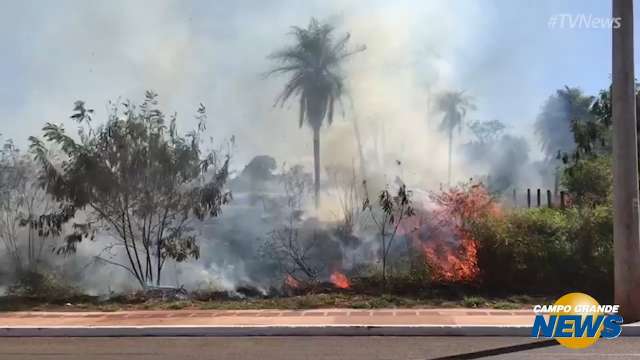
(291, 282)
(457, 207)
(441, 232)
(339, 280)
(453, 263)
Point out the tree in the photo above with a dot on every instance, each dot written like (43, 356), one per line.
(288, 245)
(13, 184)
(589, 180)
(27, 233)
(137, 179)
(454, 105)
(260, 168)
(587, 174)
(314, 62)
(594, 136)
(30, 230)
(486, 131)
(255, 177)
(387, 217)
(562, 112)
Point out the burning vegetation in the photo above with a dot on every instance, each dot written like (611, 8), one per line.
(452, 263)
(441, 232)
(142, 204)
(456, 208)
(340, 280)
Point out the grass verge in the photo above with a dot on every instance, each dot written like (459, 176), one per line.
(308, 301)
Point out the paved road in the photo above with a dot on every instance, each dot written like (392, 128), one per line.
(301, 348)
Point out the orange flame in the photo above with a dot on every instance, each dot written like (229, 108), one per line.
(339, 280)
(453, 263)
(441, 233)
(291, 282)
(456, 208)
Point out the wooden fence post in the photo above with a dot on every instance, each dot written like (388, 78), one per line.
(539, 197)
(562, 205)
(549, 199)
(529, 198)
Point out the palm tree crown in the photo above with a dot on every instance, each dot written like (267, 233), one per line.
(454, 105)
(560, 114)
(314, 64)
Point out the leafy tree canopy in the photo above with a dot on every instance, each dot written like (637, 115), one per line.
(486, 131)
(137, 178)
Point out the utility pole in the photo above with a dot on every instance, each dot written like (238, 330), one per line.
(626, 228)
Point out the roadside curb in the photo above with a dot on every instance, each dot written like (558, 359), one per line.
(275, 330)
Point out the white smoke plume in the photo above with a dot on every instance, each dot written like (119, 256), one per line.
(215, 53)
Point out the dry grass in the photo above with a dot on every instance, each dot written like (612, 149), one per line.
(309, 301)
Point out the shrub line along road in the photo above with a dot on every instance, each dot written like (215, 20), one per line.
(318, 322)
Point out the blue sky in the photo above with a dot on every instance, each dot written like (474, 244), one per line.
(500, 51)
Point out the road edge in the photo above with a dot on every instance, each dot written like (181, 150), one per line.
(270, 330)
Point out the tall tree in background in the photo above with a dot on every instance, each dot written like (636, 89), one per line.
(560, 113)
(454, 105)
(313, 62)
(486, 131)
(137, 179)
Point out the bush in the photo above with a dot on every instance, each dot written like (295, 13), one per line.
(35, 284)
(590, 180)
(474, 302)
(547, 250)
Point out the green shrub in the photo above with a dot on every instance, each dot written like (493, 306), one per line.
(546, 250)
(474, 302)
(35, 284)
(590, 180)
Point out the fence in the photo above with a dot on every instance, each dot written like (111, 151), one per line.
(534, 198)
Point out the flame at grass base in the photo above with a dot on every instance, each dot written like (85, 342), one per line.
(453, 264)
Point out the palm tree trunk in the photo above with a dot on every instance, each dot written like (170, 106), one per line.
(363, 168)
(450, 156)
(316, 165)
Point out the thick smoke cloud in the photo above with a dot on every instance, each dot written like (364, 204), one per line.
(215, 53)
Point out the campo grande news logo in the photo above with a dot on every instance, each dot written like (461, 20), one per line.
(577, 321)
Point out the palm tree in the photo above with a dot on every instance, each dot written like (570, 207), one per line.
(454, 105)
(560, 115)
(313, 62)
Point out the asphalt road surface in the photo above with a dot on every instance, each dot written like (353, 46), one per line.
(300, 348)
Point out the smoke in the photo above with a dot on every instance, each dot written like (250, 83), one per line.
(215, 54)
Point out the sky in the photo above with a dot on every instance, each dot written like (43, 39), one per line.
(501, 52)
